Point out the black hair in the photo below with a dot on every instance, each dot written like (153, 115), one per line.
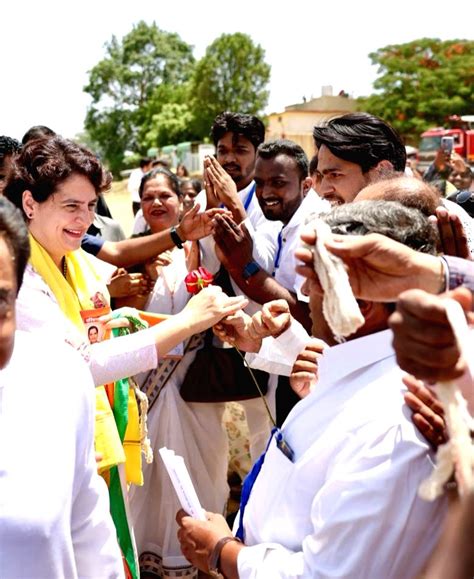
(272, 149)
(14, 231)
(37, 132)
(8, 146)
(247, 126)
(195, 183)
(363, 139)
(313, 165)
(145, 161)
(171, 177)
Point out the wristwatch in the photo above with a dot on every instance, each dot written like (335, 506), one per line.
(250, 269)
(176, 238)
(215, 556)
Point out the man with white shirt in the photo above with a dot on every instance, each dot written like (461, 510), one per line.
(262, 264)
(343, 501)
(283, 190)
(236, 137)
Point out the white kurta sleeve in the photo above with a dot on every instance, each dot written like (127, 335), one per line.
(37, 310)
(367, 510)
(277, 355)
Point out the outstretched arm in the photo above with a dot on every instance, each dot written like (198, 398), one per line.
(193, 226)
(379, 268)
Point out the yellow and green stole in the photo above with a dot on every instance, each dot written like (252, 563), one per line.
(117, 430)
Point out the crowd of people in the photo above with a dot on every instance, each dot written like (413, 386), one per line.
(103, 344)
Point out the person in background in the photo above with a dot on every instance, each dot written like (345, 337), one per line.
(71, 499)
(190, 188)
(181, 171)
(8, 148)
(134, 181)
(55, 183)
(193, 431)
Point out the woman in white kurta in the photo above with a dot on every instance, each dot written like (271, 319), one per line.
(55, 184)
(193, 431)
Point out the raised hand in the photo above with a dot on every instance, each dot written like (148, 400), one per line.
(304, 374)
(451, 232)
(428, 414)
(379, 268)
(272, 320)
(423, 339)
(195, 225)
(209, 307)
(237, 331)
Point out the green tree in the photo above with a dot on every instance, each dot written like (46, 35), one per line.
(421, 83)
(232, 75)
(131, 84)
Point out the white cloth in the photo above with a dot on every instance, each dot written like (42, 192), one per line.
(133, 185)
(277, 355)
(37, 310)
(54, 519)
(192, 430)
(348, 505)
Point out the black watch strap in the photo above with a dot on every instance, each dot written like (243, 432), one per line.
(176, 238)
(250, 269)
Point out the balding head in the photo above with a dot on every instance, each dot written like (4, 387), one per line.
(408, 191)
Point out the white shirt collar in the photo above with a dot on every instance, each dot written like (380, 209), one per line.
(312, 203)
(243, 192)
(341, 360)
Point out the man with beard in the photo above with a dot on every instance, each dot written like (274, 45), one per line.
(358, 149)
(261, 264)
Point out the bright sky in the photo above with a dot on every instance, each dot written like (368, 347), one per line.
(48, 47)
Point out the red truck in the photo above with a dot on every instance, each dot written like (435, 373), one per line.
(461, 129)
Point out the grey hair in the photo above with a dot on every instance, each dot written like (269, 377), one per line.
(390, 218)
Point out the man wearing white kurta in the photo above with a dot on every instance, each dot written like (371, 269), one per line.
(54, 507)
(346, 504)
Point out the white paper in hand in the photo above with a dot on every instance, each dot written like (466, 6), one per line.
(182, 483)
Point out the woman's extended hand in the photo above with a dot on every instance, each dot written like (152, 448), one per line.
(210, 306)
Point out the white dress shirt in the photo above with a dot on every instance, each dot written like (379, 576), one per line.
(348, 505)
(287, 240)
(54, 507)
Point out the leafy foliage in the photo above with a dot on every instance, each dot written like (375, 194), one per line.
(422, 83)
(131, 84)
(232, 75)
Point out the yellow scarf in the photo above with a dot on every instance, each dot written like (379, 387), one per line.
(73, 295)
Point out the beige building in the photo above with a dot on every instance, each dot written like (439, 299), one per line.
(296, 122)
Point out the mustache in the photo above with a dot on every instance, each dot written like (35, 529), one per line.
(231, 166)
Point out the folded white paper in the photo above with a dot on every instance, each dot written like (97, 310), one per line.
(182, 483)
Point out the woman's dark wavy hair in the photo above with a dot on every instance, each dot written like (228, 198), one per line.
(172, 179)
(45, 163)
(363, 139)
